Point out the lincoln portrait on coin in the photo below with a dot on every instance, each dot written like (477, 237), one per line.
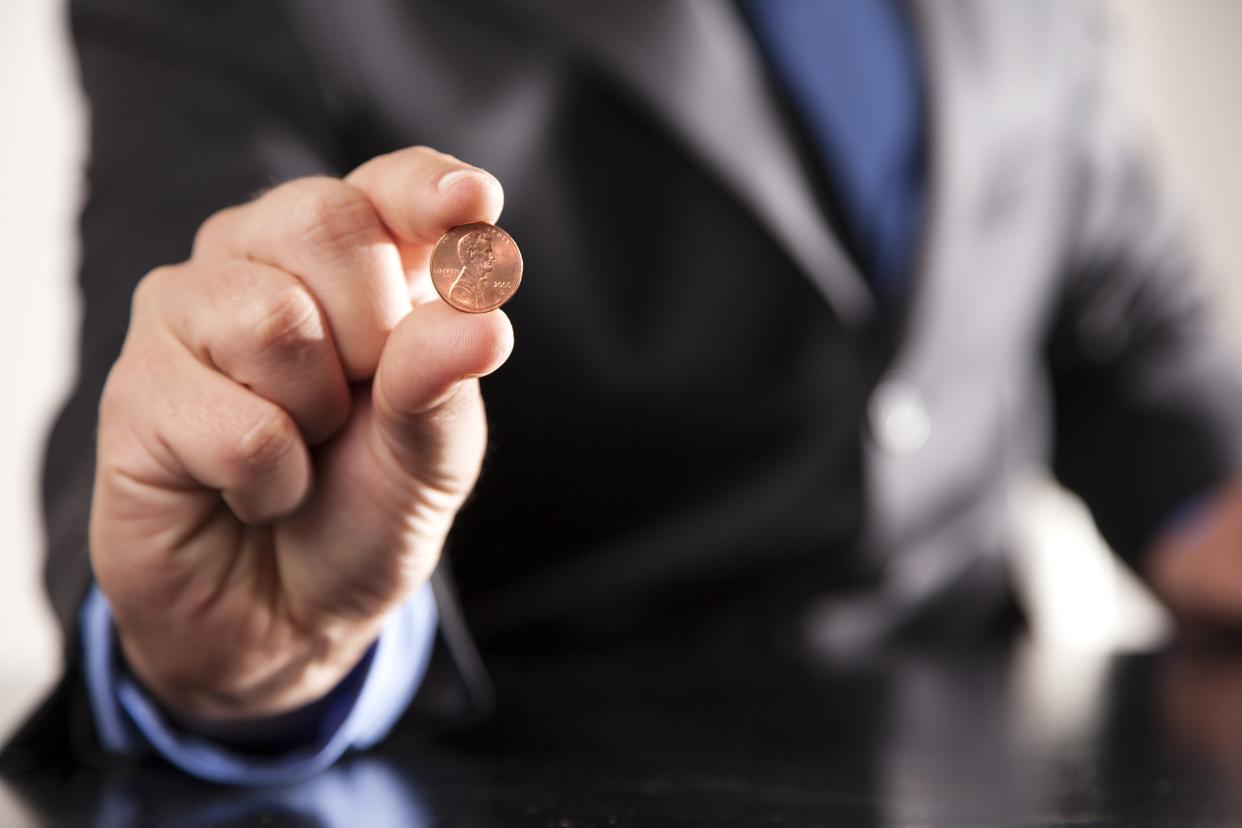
(474, 251)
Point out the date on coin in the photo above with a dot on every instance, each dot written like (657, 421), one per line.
(476, 267)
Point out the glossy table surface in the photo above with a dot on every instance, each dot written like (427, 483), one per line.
(662, 736)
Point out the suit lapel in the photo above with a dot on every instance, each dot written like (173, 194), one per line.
(957, 158)
(699, 73)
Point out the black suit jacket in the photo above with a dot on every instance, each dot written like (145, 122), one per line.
(703, 414)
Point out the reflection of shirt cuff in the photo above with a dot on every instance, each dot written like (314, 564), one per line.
(130, 723)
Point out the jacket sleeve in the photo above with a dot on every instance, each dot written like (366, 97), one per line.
(1148, 402)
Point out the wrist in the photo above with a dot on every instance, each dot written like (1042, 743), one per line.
(253, 685)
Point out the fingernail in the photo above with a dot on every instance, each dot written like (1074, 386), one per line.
(450, 180)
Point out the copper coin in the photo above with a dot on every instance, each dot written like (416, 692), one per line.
(476, 267)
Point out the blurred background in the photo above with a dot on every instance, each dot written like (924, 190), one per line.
(1177, 64)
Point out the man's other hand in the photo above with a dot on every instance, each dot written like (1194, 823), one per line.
(1195, 567)
(289, 431)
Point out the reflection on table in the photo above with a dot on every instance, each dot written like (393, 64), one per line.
(917, 736)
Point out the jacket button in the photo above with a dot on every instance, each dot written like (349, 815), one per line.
(898, 416)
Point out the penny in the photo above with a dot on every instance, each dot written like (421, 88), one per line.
(476, 267)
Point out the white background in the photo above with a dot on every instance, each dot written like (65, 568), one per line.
(1180, 64)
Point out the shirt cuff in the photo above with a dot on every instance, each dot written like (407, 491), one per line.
(1185, 515)
(131, 724)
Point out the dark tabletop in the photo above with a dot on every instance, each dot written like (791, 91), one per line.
(666, 735)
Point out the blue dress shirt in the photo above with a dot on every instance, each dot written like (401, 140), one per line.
(358, 713)
(850, 69)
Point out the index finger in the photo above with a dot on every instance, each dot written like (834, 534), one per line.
(420, 194)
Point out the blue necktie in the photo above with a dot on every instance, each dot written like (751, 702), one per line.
(850, 69)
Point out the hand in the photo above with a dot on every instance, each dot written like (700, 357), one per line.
(289, 431)
(1196, 566)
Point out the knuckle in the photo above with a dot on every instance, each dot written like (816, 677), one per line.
(148, 289)
(263, 446)
(329, 213)
(425, 153)
(209, 233)
(286, 323)
(420, 152)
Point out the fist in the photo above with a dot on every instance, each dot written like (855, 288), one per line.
(290, 429)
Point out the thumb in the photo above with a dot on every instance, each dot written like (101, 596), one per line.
(391, 484)
(428, 414)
